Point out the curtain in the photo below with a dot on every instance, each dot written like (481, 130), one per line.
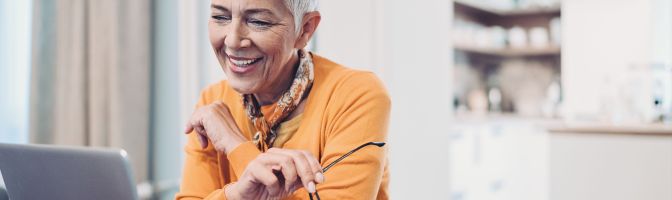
(90, 78)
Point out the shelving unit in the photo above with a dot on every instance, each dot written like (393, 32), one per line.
(489, 56)
(510, 52)
(467, 6)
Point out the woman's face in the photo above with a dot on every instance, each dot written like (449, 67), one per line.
(255, 43)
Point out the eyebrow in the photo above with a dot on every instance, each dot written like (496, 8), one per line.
(249, 11)
(259, 11)
(219, 7)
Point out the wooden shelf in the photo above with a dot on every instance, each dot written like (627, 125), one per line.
(511, 52)
(472, 7)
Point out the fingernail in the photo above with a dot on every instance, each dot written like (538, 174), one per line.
(311, 187)
(319, 177)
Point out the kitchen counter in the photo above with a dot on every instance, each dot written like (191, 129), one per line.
(605, 128)
(560, 158)
(554, 125)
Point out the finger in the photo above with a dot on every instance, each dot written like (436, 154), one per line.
(196, 125)
(315, 166)
(193, 121)
(189, 129)
(286, 166)
(201, 134)
(203, 140)
(303, 168)
(262, 173)
(201, 130)
(190, 123)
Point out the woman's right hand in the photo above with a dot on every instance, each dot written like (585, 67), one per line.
(276, 174)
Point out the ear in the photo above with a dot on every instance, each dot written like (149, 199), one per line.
(310, 22)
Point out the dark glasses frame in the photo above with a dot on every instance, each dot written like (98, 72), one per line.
(324, 170)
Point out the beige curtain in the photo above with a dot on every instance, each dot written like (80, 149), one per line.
(90, 76)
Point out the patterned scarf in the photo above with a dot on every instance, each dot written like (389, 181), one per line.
(266, 125)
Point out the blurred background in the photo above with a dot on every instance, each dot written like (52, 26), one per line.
(492, 99)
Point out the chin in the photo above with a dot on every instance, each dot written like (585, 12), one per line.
(243, 86)
(244, 83)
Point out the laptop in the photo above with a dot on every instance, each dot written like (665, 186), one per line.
(55, 172)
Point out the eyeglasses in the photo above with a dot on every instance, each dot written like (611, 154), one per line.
(324, 170)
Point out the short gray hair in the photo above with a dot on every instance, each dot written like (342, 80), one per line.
(300, 8)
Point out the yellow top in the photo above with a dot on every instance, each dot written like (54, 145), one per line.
(345, 108)
(286, 130)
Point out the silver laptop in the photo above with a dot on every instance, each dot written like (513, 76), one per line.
(52, 172)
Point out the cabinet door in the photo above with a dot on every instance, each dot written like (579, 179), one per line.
(609, 166)
(499, 161)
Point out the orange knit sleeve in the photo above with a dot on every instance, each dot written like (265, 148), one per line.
(206, 172)
(361, 116)
(201, 178)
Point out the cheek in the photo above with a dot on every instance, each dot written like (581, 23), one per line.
(216, 35)
(277, 47)
(277, 40)
(278, 53)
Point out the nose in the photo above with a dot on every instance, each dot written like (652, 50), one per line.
(237, 36)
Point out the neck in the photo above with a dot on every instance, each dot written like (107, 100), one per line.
(282, 84)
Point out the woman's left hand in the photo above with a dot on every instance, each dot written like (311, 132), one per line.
(214, 122)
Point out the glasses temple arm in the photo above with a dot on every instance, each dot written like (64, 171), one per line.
(379, 144)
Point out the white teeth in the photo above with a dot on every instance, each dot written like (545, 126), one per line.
(242, 62)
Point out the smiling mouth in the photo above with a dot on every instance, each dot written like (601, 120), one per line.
(243, 62)
(242, 65)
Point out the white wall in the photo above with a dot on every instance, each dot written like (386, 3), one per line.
(662, 31)
(407, 44)
(602, 41)
(417, 62)
(350, 33)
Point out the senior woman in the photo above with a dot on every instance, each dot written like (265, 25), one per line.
(283, 114)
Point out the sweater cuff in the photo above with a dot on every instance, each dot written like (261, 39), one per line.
(219, 194)
(241, 156)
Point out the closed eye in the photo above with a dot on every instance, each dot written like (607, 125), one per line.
(260, 23)
(221, 18)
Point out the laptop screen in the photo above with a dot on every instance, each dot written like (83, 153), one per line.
(51, 172)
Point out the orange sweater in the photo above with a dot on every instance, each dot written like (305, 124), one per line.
(345, 108)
